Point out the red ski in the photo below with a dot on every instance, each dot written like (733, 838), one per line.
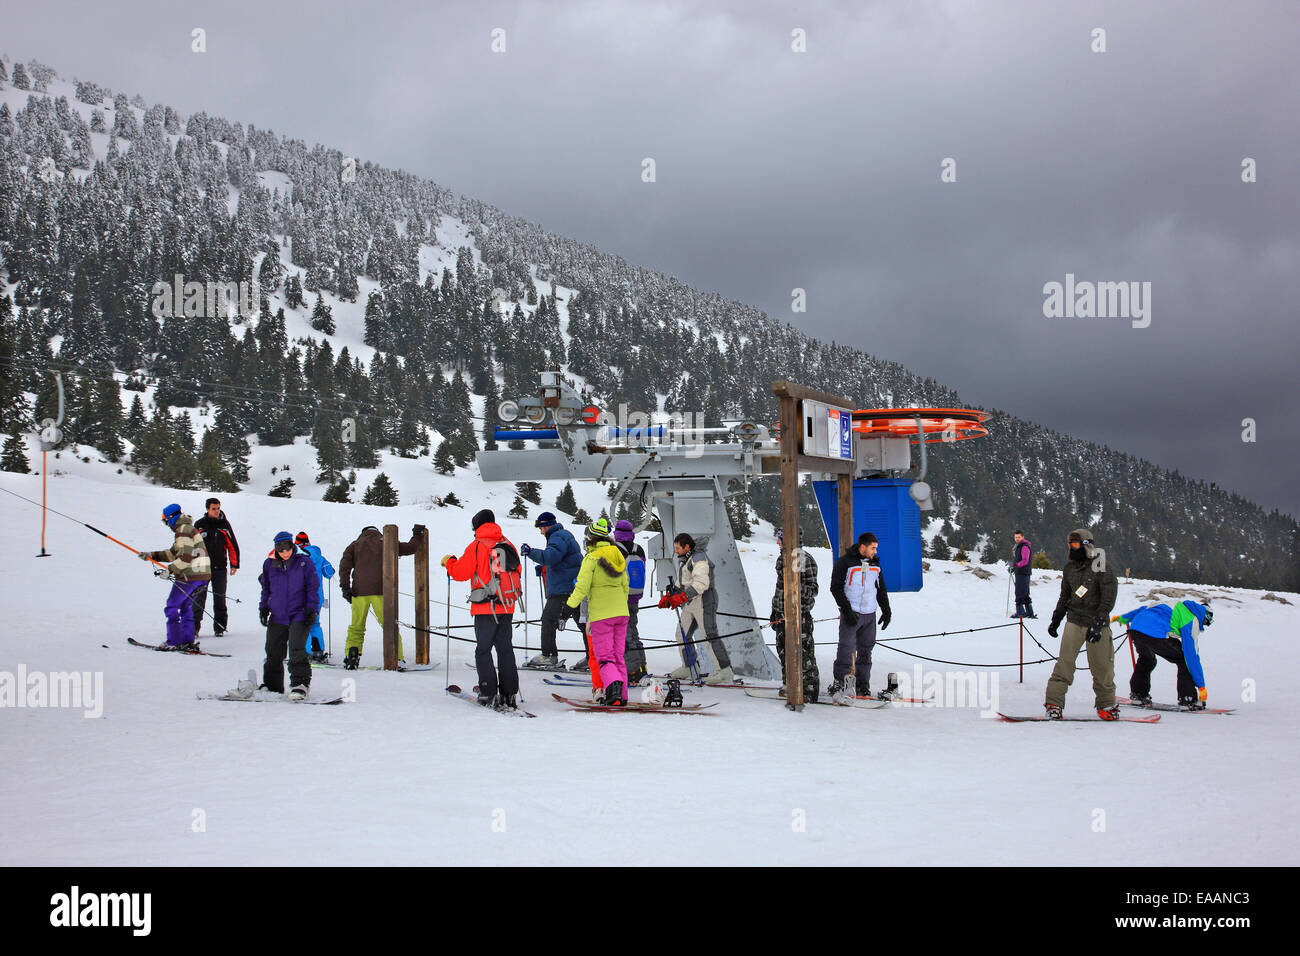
(636, 707)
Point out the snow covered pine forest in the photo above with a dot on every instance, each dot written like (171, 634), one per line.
(388, 301)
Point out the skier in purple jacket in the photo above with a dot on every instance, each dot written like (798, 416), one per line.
(1021, 556)
(290, 599)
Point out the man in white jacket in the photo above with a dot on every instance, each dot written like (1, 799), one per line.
(698, 599)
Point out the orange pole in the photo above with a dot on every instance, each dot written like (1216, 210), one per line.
(44, 471)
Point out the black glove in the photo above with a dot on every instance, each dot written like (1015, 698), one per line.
(164, 574)
(311, 622)
(525, 549)
(1094, 629)
(264, 615)
(849, 617)
(347, 594)
(1052, 629)
(884, 621)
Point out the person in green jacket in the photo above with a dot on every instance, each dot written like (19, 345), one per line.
(602, 582)
(1088, 591)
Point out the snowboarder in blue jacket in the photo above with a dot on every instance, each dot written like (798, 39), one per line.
(558, 563)
(324, 570)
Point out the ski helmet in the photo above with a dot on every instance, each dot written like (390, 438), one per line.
(170, 514)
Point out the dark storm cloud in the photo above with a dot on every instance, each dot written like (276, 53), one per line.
(820, 171)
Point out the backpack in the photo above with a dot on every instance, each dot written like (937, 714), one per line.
(635, 573)
(505, 581)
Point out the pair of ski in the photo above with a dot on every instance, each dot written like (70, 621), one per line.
(404, 669)
(777, 693)
(455, 691)
(573, 680)
(174, 650)
(636, 707)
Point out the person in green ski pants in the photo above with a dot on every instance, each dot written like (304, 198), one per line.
(361, 579)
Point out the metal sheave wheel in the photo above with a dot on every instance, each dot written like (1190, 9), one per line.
(508, 411)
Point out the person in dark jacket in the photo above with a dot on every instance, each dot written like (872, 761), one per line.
(634, 655)
(290, 597)
(808, 588)
(223, 550)
(859, 590)
(1088, 591)
(361, 582)
(558, 563)
(1021, 556)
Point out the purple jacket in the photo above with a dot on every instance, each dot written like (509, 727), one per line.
(290, 589)
(1023, 551)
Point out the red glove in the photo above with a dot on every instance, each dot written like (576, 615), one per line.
(663, 601)
(677, 600)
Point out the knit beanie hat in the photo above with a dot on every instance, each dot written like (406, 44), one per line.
(598, 530)
(482, 518)
(623, 531)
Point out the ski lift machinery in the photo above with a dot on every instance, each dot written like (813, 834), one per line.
(684, 480)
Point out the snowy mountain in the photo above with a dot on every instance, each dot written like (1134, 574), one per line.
(397, 314)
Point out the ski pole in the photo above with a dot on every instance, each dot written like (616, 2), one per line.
(329, 601)
(446, 654)
(1010, 575)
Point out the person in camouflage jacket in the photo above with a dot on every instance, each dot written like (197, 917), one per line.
(807, 595)
(188, 568)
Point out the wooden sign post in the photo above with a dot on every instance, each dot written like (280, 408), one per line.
(793, 461)
(390, 597)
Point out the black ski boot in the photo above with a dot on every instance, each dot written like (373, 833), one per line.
(1140, 700)
(353, 659)
(506, 702)
(614, 694)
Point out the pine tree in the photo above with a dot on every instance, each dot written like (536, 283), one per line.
(581, 518)
(338, 492)
(990, 553)
(331, 457)
(283, 490)
(322, 316)
(738, 513)
(939, 549)
(442, 461)
(565, 501)
(450, 500)
(380, 493)
(14, 456)
(530, 491)
(519, 509)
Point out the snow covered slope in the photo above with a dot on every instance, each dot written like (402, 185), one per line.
(408, 775)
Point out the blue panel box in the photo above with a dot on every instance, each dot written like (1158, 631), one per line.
(883, 507)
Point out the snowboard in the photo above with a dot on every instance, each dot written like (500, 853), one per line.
(1132, 720)
(268, 700)
(1174, 708)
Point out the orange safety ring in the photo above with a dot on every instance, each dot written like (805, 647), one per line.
(945, 424)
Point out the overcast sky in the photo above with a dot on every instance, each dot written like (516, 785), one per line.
(820, 170)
